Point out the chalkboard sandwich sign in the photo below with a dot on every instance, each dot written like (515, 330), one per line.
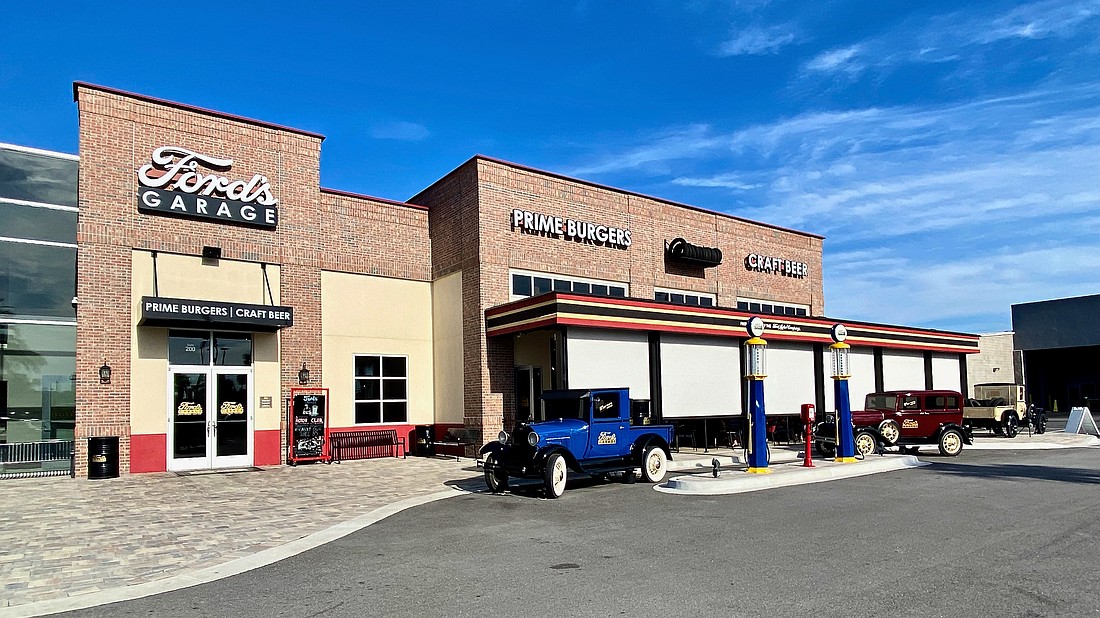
(308, 421)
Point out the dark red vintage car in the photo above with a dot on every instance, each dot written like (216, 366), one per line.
(906, 419)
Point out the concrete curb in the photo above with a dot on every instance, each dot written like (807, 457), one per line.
(228, 569)
(739, 481)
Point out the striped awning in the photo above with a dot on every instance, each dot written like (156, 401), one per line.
(562, 309)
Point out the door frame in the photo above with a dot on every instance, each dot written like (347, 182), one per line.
(211, 460)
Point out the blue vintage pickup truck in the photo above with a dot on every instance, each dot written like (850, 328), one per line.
(588, 431)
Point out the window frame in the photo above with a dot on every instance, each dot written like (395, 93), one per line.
(381, 399)
(613, 289)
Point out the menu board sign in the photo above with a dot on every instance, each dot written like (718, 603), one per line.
(308, 423)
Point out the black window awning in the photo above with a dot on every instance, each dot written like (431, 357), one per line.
(681, 250)
(209, 314)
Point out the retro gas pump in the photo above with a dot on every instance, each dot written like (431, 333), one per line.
(845, 444)
(758, 423)
(808, 421)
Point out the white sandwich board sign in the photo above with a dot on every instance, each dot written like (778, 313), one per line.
(1081, 421)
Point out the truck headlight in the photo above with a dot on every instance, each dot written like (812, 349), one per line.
(502, 437)
(533, 439)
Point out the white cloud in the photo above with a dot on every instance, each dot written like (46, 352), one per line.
(728, 181)
(939, 216)
(756, 41)
(400, 130)
(844, 59)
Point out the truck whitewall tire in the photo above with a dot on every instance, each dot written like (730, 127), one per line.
(654, 464)
(555, 475)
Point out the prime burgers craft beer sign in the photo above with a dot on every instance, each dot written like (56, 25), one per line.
(173, 184)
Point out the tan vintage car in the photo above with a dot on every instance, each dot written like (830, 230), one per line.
(996, 406)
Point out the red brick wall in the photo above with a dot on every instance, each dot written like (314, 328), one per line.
(471, 229)
(317, 231)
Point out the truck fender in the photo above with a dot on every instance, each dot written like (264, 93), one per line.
(544, 453)
(494, 447)
(643, 442)
(825, 431)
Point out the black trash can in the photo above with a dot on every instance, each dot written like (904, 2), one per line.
(425, 445)
(103, 457)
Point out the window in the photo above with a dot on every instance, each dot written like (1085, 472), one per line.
(772, 307)
(525, 284)
(193, 348)
(605, 406)
(684, 297)
(381, 389)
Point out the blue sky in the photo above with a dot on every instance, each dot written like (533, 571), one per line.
(949, 152)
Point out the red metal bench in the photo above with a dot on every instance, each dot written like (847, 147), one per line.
(365, 444)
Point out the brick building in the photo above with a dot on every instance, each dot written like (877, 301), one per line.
(214, 273)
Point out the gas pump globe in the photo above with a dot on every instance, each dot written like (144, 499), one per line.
(756, 371)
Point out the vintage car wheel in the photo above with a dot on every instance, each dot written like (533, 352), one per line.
(889, 431)
(825, 449)
(951, 442)
(1011, 425)
(654, 464)
(495, 479)
(555, 475)
(865, 442)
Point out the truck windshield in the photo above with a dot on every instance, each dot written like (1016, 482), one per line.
(564, 408)
(881, 402)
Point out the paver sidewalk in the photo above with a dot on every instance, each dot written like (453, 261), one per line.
(61, 537)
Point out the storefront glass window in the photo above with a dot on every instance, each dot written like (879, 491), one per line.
(37, 371)
(37, 286)
(189, 347)
(232, 349)
(381, 389)
(194, 348)
(37, 281)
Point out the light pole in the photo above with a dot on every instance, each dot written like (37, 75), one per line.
(758, 422)
(845, 445)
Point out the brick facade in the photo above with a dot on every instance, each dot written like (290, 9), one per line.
(318, 230)
(469, 230)
(472, 231)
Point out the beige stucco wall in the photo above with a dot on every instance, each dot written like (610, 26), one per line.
(447, 347)
(375, 315)
(181, 276)
(534, 349)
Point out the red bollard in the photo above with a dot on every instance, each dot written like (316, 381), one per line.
(808, 418)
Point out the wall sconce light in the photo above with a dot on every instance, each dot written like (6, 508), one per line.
(995, 369)
(105, 373)
(303, 374)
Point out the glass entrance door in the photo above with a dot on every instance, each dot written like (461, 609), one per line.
(211, 420)
(210, 395)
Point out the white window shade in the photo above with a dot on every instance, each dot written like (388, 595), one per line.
(902, 370)
(608, 359)
(790, 381)
(700, 376)
(945, 372)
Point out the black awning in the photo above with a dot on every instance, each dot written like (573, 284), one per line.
(209, 314)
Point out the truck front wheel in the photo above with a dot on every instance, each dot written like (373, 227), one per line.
(554, 476)
(654, 464)
(495, 478)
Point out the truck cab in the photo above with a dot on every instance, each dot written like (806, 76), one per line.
(585, 430)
